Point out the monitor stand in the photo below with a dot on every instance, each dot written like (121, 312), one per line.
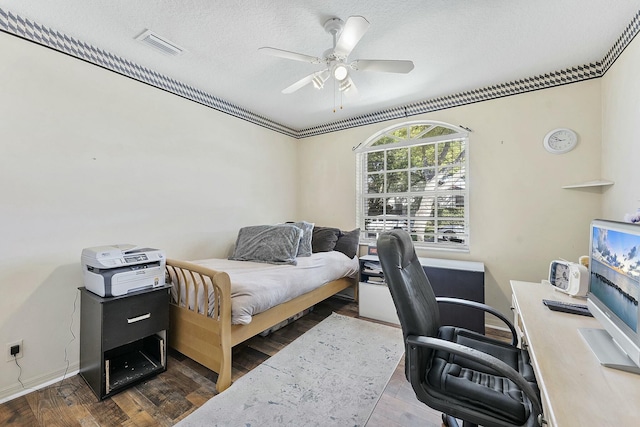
(607, 350)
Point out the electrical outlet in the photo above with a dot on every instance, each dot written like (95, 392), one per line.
(11, 357)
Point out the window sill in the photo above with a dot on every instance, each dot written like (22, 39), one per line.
(422, 248)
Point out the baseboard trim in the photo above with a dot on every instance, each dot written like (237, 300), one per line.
(37, 383)
(497, 328)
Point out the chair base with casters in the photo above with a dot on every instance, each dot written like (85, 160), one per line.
(464, 374)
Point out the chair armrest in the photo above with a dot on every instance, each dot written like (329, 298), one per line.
(483, 307)
(483, 359)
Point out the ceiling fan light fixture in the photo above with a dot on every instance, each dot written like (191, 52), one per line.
(345, 85)
(317, 82)
(340, 72)
(319, 79)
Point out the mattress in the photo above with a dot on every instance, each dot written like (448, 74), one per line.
(257, 287)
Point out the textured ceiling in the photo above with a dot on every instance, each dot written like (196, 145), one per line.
(456, 45)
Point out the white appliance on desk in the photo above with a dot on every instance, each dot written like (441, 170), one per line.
(116, 270)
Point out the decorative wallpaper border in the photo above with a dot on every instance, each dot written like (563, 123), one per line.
(32, 31)
(42, 35)
(557, 78)
(623, 41)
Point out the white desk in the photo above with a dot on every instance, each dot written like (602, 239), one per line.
(576, 390)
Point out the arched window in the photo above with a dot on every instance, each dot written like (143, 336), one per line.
(414, 176)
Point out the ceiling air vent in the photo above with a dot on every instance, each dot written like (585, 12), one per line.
(165, 46)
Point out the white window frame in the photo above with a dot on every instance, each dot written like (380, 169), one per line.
(440, 241)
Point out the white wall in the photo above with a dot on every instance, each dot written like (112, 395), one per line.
(520, 217)
(621, 134)
(88, 158)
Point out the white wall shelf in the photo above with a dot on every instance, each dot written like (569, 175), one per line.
(594, 183)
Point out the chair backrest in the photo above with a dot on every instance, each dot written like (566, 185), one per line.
(410, 289)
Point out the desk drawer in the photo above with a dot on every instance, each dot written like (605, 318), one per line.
(136, 316)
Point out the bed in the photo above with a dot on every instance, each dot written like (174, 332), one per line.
(219, 303)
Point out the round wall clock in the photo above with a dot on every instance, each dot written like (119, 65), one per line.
(560, 141)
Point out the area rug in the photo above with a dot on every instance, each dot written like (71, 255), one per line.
(332, 375)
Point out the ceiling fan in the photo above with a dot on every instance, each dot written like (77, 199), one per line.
(345, 37)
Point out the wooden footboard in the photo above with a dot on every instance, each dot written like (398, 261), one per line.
(205, 339)
(208, 339)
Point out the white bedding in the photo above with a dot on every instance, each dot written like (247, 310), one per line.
(256, 287)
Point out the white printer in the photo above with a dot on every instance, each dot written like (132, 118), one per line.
(116, 270)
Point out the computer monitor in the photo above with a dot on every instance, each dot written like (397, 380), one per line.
(614, 289)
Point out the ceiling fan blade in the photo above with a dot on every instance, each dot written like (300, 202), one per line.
(353, 30)
(302, 82)
(382, 65)
(290, 55)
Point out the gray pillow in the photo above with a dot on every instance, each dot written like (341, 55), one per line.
(304, 249)
(273, 244)
(348, 242)
(324, 239)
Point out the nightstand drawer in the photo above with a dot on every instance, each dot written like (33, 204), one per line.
(130, 318)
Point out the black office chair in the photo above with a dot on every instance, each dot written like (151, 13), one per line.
(464, 374)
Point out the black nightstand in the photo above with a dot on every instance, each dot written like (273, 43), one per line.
(122, 339)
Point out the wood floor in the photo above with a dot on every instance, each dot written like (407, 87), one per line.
(169, 397)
